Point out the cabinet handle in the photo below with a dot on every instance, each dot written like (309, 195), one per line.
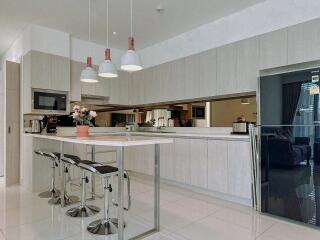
(9, 129)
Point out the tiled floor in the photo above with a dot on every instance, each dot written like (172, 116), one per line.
(184, 216)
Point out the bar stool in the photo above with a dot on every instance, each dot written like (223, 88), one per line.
(66, 162)
(53, 192)
(107, 225)
(83, 210)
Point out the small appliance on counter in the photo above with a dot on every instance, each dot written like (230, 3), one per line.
(51, 124)
(241, 126)
(36, 126)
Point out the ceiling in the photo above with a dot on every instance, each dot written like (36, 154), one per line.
(150, 26)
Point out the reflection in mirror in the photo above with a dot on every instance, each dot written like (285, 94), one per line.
(201, 114)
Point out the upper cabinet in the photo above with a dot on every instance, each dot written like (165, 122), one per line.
(226, 69)
(274, 49)
(118, 88)
(304, 42)
(75, 88)
(247, 65)
(137, 88)
(47, 71)
(177, 82)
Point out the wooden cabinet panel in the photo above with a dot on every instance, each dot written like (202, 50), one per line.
(167, 163)
(193, 76)
(208, 70)
(40, 70)
(304, 42)
(136, 86)
(161, 75)
(218, 165)
(177, 80)
(226, 69)
(239, 174)
(118, 89)
(198, 162)
(60, 73)
(182, 160)
(75, 88)
(247, 65)
(274, 49)
(149, 88)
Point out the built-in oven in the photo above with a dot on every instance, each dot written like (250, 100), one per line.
(50, 101)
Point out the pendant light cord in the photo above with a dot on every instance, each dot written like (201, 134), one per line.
(107, 23)
(131, 26)
(89, 20)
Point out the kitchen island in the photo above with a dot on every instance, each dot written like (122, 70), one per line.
(210, 161)
(120, 142)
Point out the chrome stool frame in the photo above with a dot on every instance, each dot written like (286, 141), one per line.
(53, 192)
(107, 225)
(83, 210)
(65, 163)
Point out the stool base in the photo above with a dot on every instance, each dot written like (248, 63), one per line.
(50, 194)
(68, 200)
(86, 211)
(104, 227)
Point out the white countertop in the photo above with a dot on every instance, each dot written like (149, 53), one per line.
(196, 135)
(105, 139)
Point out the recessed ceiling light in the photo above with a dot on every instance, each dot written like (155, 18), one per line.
(114, 33)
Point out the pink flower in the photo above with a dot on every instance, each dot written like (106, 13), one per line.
(76, 108)
(75, 115)
(93, 114)
(84, 110)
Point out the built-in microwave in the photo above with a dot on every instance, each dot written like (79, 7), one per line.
(50, 101)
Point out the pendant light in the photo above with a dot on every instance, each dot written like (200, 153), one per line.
(89, 75)
(130, 61)
(107, 68)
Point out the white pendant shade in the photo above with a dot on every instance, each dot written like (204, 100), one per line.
(107, 68)
(131, 61)
(89, 75)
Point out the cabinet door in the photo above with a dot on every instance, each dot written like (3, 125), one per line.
(193, 77)
(274, 49)
(177, 80)
(208, 70)
(40, 70)
(149, 153)
(227, 60)
(304, 42)
(75, 93)
(149, 88)
(161, 75)
(101, 88)
(167, 161)
(247, 65)
(198, 162)
(218, 165)
(239, 173)
(182, 160)
(124, 79)
(136, 86)
(60, 73)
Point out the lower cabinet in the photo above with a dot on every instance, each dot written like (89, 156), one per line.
(222, 166)
(218, 166)
(239, 171)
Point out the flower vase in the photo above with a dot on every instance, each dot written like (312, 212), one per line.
(82, 130)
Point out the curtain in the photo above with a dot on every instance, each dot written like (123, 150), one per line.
(290, 99)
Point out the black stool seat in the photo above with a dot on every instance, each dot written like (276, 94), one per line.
(106, 169)
(73, 157)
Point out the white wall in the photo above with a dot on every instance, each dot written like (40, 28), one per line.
(2, 116)
(256, 20)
